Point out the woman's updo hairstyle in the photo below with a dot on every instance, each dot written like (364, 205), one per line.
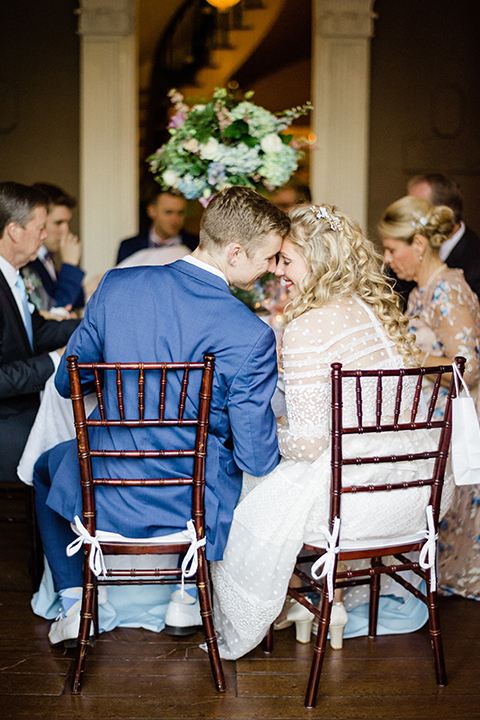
(411, 216)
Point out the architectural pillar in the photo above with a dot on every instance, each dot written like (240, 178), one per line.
(340, 94)
(108, 130)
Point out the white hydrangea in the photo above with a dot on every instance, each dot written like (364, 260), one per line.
(170, 178)
(212, 150)
(271, 143)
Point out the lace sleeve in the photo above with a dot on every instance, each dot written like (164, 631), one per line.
(307, 393)
(455, 328)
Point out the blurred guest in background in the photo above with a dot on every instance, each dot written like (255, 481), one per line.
(444, 312)
(28, 343)
(462, 247)
(166, 210)
(56, 284)
(293, 193)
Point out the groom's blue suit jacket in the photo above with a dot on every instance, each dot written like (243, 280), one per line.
(175, 313)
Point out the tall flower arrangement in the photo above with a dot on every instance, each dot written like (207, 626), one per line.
(227, 141)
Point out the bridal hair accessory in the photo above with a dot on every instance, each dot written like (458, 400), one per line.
(421, 221)
(321, 212)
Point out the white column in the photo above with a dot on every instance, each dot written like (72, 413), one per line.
(341, 93)
(108, 130)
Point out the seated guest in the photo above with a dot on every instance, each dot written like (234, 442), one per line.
(178, 313)
(462, 247)
(57, 285)
(342, 309)
(167, 213)
(28, 343)
(293, 193)
(444, 314)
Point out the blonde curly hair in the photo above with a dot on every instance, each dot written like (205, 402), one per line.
(342, 262)
(411, 216)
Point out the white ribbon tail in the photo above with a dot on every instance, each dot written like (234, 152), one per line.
(96, 561)
(328, 558)
(191, 556)
(428, 556)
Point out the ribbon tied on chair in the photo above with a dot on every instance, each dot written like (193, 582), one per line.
(96, 561)
(328, 558)
(191, 556)
(428, 556)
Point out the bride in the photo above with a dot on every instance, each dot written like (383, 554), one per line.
(341, 309)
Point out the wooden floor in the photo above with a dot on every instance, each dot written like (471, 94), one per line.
(137, 674)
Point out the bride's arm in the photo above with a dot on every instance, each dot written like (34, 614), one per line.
(307, 392)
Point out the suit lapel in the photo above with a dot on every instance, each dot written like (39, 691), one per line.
(12, 307)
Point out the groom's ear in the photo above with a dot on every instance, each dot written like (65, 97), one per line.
(233, 253)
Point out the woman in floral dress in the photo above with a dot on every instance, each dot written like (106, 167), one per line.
(445, 317)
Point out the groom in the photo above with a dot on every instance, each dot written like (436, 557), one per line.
(175, 313)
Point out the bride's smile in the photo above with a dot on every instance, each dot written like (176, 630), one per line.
(291, 267)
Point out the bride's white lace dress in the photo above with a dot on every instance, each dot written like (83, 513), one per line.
(279, 512)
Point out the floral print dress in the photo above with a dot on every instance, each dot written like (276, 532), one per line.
(445, 317)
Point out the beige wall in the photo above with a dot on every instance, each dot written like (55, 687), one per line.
(425, 81)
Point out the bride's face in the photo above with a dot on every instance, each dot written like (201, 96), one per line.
(291, 267)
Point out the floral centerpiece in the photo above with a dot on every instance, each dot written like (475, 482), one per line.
(227, 141)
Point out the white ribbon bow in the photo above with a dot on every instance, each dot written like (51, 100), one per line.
(96, 561)
(328, 558)
(191, 555)
(428, 554)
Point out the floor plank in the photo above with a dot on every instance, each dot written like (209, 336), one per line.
(135, 674)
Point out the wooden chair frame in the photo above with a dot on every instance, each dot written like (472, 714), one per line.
(89, 611)
(372, 575)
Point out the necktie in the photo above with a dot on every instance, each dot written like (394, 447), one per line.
(27, 319)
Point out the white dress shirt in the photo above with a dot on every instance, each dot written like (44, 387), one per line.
(447, 247)
(205, 266)
(11, 276)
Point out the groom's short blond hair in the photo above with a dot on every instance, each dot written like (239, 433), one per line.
(243, 216)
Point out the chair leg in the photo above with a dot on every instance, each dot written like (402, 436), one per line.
(96, 629)
(268, 641)
(374, 600)
(36, 555)
(319, 652)
(88, 599)
(436, 634)
(204, 595)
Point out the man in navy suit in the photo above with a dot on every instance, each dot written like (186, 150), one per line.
(62, 284)
(28, 344)
(166, 210)
(175, 313)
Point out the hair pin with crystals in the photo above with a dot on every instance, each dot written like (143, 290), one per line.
(322, 212)
(422, 220)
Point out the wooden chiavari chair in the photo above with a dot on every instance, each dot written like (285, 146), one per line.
(423, 540)
(171, 545)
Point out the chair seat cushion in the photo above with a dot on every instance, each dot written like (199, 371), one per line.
(319, 541)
